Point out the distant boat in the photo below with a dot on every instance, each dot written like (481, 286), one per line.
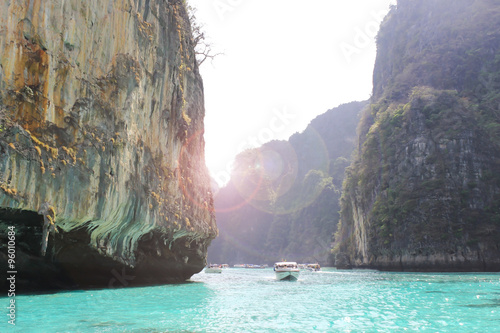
(239, 266)
(254, 266)
(287, 270)
(225, 266)
(313, 267)
(213, 269)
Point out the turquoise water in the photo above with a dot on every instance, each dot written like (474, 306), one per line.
(246, 300)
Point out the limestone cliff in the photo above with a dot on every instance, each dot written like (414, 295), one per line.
(424, 191)
(101, 143)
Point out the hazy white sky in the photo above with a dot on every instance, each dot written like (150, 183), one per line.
(284, 63)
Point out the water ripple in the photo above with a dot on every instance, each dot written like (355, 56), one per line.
(245, 300)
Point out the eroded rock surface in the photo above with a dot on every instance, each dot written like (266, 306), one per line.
(101, 120)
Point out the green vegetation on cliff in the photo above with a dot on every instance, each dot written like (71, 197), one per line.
(424, 190)
(282, 200)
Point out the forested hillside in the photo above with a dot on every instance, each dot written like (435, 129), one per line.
(282, 200)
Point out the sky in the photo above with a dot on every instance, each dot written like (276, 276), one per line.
(284, 62)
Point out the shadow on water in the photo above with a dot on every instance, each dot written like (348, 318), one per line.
(84, 290)
(492, 303)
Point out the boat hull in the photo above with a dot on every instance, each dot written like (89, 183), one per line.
(287, 275)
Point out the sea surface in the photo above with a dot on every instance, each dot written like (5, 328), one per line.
(251, 300)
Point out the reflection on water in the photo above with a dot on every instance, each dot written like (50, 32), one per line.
(246, 300)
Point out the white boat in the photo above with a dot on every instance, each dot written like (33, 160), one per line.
(313, 267)
(213, 269)
(286, 270)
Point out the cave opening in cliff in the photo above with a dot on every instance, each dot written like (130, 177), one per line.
(28, 228)
(18, 217)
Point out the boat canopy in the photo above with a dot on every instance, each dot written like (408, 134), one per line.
(290, 264)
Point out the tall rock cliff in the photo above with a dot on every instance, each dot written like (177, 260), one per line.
(424, 191)
(102, 169)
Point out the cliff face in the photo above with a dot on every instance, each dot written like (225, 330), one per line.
(424, 191)
(282, 200)
(101, 143)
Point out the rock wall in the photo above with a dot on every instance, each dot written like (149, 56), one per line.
(101, 142)
(424, 192)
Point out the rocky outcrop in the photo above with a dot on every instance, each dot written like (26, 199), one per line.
(101, 143)
(424, 192)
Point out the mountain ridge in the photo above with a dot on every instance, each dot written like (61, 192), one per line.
(282, 200)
